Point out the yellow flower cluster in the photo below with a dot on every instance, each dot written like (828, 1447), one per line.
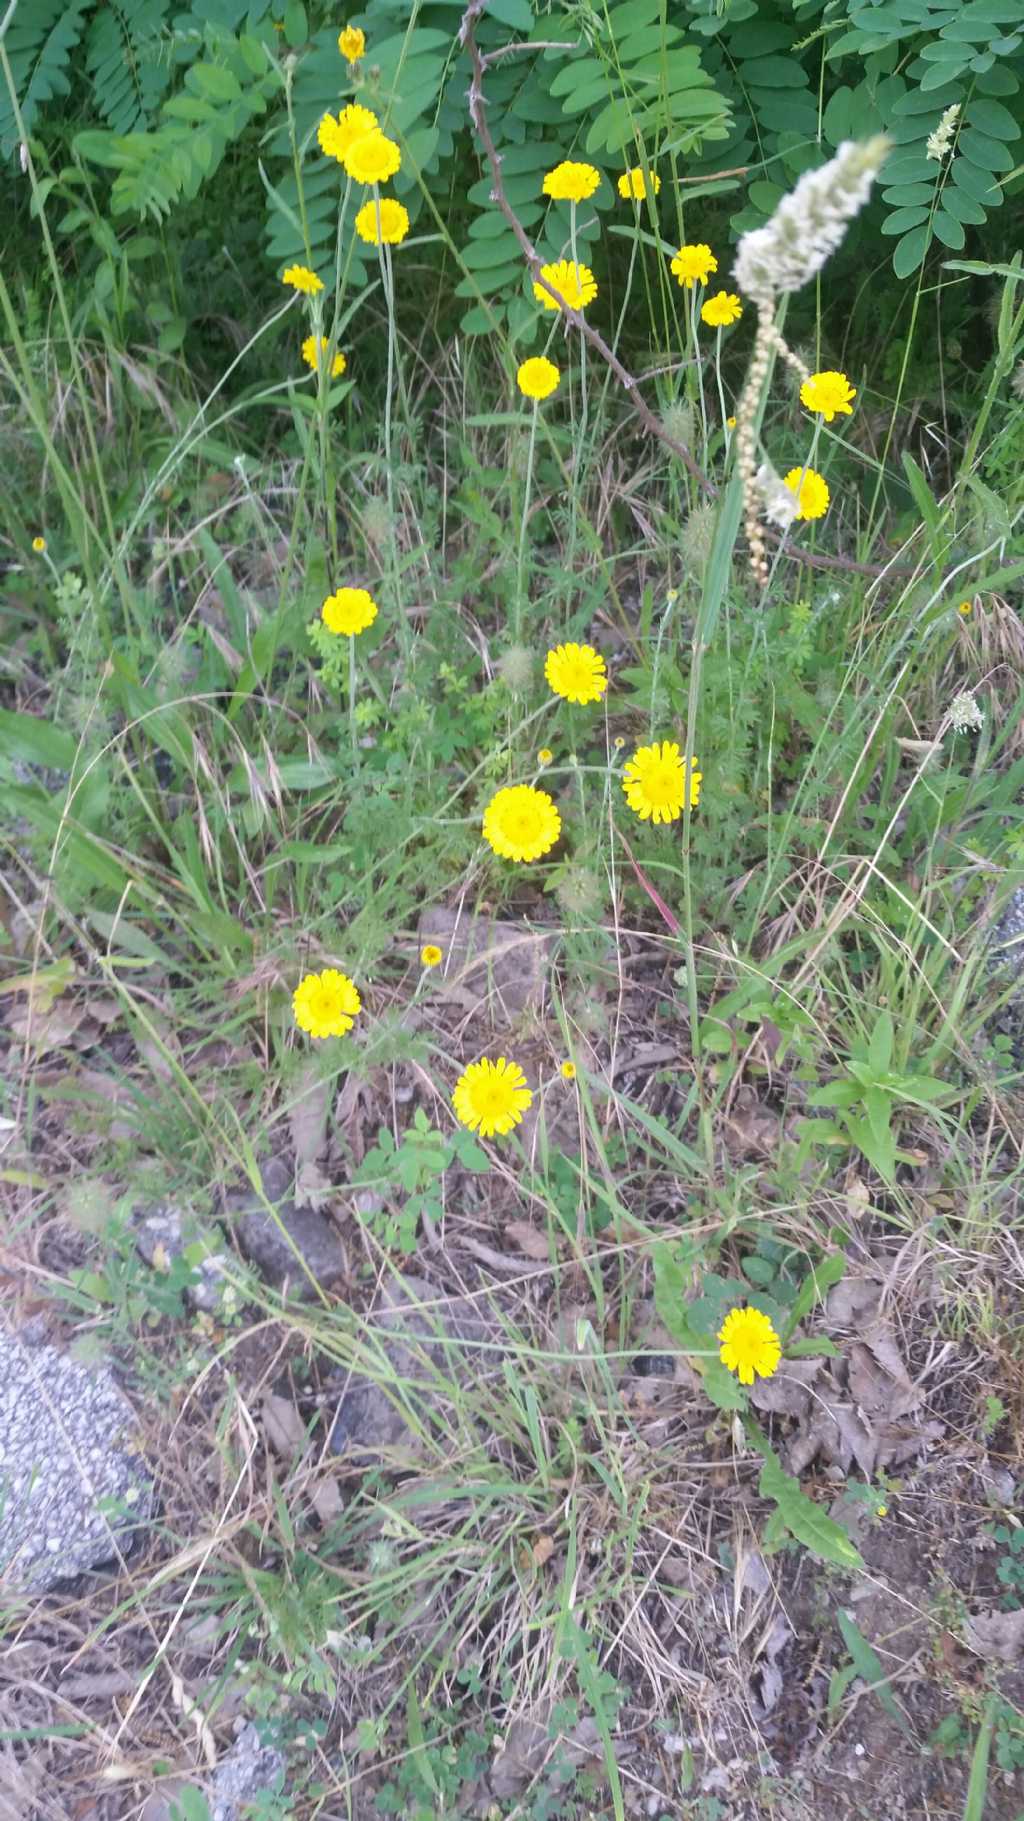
(810, 490)
(355, 138)
(349, 611)
(315, 360)
(326, 1004)
(750, 1346)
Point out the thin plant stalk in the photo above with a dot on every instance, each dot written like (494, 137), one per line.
(517, 612)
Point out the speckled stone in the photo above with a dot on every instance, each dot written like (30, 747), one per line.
(250, 1768)
(1006, 966)
(297, 1250)
(65, 1446)
(1006, 944)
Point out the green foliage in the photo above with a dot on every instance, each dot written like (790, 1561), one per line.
(126, 57)
(801, 1516)
(868, 1097)
(894, 68)
(39, 42)
(221, 95)
(413, 1170)
(866, 1664)
(1010, 1565)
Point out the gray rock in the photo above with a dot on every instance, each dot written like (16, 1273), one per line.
(249, 1768)
(419, 1350)
(500, 966)
(1007, 939)
(165, 1224)
(1006, 965)
(65, 1445)
(281, 1244)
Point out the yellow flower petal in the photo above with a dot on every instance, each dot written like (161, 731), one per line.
(491, 1097)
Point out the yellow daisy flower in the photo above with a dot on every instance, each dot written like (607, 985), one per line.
(568, 1071)
(966, 608)
(570, 182)
(372, 158)
(309, 355)
(430, 955)
(352, 43)
(749, 1346)
(39, 545)
(393, 223)
(576, 672)
(810, 490)
(828, 394)
(537, 378)
(521, 823)
(545, 756)
(575, 284)
(491, 1097)
(721, 310)
(654, 780)
(694, 264)
(302, 279)
(325, 1004)
(633, 186)
(336, 136)
(349, 610)
(730, 423)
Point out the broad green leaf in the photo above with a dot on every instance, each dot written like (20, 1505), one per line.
(910, 251)
(815, 1287)
(868, 1665)
(30, 740)
(805, 1520)
(880, 1046)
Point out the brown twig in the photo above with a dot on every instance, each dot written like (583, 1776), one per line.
(814, 559)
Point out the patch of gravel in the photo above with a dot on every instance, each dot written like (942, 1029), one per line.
(65, 1446)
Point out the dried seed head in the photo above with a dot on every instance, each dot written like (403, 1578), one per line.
(809, 223)
(515, 668)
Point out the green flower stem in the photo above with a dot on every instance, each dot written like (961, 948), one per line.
(352, 696)
(697, 362)
(517, 612)
(388, 282)
(580, 428)
(718, 379)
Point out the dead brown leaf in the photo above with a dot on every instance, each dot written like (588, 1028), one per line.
(752, 1128)
(543, 1550)
(283, 1425)
(528, 1239)
(853, 1301)
(878, 1378)
(51, 1030)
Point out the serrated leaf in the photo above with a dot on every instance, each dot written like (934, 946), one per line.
(805, 1520)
